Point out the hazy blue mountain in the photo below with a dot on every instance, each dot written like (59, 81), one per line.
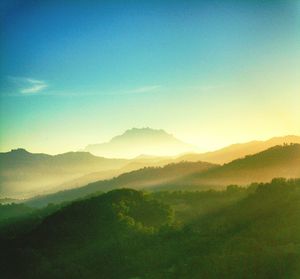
(135, 142)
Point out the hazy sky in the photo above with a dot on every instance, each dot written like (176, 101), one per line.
(209, 72)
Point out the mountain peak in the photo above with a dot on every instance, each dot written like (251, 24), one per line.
(136, 141)
(142, 132)
(135, 129)
(20, 151)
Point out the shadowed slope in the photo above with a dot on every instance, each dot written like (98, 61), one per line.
(139, 179)
(278, 161)
(127, 234)
(235, 151)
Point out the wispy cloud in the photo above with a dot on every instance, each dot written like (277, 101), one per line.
(144, 89)
(205, 88)
(87, 92)
(22, 86)
(34, 86)
(26, 85)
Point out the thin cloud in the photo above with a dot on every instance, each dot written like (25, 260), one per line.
(205, 88)
(21, 86)
(34, 89)
(145, 89)
(86, 92)
(34, 86)
(28, 85)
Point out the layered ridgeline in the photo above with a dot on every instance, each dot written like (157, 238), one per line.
(278, 161)
(236, 233)
(25, 173)
(239, 150)
(136, 141)
(144, 178)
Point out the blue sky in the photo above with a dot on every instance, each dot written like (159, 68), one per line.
(210, 72)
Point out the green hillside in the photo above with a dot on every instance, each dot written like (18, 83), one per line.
(237, 233)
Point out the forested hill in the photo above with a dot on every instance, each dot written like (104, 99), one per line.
(126, 234)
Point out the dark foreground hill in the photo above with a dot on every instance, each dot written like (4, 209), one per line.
(238, 233)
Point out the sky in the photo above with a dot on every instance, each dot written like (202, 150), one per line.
(211, 72)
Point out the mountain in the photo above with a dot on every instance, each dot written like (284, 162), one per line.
(25, 173)
(140, 162)
(135, 142)
(138, 179)
(277, 161)
(235, 151)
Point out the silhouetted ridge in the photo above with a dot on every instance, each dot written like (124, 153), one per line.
(277, 161)
(239, 150)
(23, 173)
(139, 179)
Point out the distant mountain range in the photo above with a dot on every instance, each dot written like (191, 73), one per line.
(22, 172)
(136, 141)
(139, 179)
(221, 156)
(25, 174)
(235, 151)
(278, 161)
